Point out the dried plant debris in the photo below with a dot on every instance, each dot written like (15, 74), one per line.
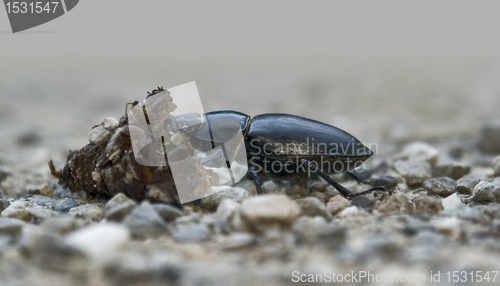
(107, 166)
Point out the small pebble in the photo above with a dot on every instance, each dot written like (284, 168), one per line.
(230, 211)
(466, 185)
(269, 210)
(452, 170)
(167, 212)
(238, 241)
(362, 202)
(489, 140)
(100, 242)
(84, 212)
(314, 207)
(99, 135)
(4, 203)
(221, 192)
(443, 186)
(46, 191)
(10, 226)
(452, 202)
(17, 209)
(397, 203)
(385, 181)
(336, 204)
(144, 222)
(40, 213)
(420, 151)
(3, 174)
(62, 224)
(414, 171)
(191, 233)
(65, 205)
(118, 207)
(44, 201)
(427, 205)
(110, 123)
(496, 166)
(487, 191)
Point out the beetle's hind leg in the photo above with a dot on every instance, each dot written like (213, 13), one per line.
(342, 190)
(357, 177)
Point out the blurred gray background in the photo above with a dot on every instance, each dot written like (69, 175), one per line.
(386, 71)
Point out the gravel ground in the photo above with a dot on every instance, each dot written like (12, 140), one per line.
(443, 215)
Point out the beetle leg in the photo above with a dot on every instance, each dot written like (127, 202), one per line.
(342, 190)
(255, 177)
(378, 188)
(357, 177)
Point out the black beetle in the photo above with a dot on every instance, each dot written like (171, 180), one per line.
(287, 147)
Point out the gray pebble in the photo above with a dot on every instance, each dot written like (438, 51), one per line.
(99, 135)
(119, 207)
(443, 186)
(61, 193)
(415, 171)
(469, 213)
(312, 207)
(17, 209)
(167, 212)
(267, 211)
(452, 170)
(3, 174)
(238, 240)
(44, 201)
(211, 202)
(10, 226)
(92, 212)
(4, 203)
(386, 181)
(62, 224)
(396, 203)
(332, 236)
(306, 229)
(363, 202)
(420, 151)
(33, 190)
(40, 213)
(65, 205)
(191, 233)
(496, 166)
(427, 205)
(144, 222)
(465, 186)
(490, 138)
(487, 191)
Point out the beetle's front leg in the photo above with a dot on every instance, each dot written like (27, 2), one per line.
(255, 177)
(342, 190)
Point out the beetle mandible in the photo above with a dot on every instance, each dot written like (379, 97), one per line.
(287, 147)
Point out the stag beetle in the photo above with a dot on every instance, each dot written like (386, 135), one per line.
(285, 147)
